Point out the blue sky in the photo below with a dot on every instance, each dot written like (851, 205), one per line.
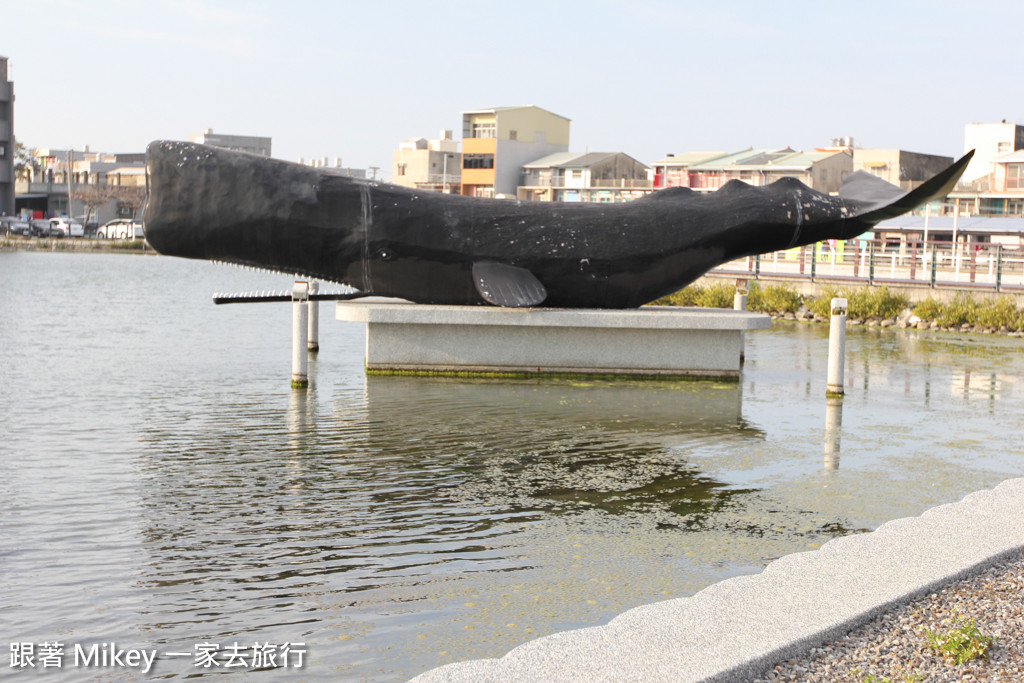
(646, 77)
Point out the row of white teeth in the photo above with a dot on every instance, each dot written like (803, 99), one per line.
(346, 289)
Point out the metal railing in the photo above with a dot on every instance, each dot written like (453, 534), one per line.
(934, 264)
(576, 183)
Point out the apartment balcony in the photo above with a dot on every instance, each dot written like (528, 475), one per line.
(438, 182)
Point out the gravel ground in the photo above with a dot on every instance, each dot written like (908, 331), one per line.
(893, 648)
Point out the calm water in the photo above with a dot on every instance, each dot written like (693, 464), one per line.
(162, 487)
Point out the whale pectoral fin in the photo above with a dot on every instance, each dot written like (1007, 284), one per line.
(505, 285)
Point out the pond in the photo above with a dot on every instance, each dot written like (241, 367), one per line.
(162, 487)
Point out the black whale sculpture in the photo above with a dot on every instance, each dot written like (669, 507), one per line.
(427, 247)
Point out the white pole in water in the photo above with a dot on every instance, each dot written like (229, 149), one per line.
(300, 330)
(833, 431)
(836, 349)
(739, 303)
(313, 343)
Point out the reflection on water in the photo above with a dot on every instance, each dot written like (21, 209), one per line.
(161, 484)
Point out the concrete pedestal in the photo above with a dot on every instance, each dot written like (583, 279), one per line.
(404, 338)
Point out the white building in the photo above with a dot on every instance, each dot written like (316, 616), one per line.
(428, 164)
(989, 141)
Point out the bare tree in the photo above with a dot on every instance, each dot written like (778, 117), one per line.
(92, 196)
(130, 196)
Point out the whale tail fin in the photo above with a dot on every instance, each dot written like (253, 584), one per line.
(877, 200)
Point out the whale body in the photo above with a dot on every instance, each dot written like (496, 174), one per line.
(427, 247)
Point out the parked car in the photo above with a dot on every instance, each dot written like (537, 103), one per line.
(12, 225)
(120, 229)
(64, 227)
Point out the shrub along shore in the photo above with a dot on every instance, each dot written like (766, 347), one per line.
(870, 306)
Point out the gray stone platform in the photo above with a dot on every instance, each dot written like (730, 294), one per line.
(650, 341)
(735, 629)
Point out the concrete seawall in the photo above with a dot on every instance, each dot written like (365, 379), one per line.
(735, 629)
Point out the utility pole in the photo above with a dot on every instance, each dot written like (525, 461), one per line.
(67, 177)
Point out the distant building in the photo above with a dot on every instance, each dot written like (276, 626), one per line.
(497, 142)
(905, 169)
(238, 143)
(1004, 195)
(7, 151)
(823, 171)
(428, 164)
(991, 185)
(674, 169)
(989, 142)
(44, 189)
(594, 177)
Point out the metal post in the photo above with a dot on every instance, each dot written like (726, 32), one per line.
(313, 340)
(836, 348)
(871, 262)
(739, 303)
(814, 259)
(999, 266)
(300, 329)
(757, 266)
(932, 280)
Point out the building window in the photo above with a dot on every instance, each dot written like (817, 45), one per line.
(513, 135)
(401, 169)
(483, 130)
(1015, 176)
(477, 161)
(577, 174)
(1003, 148)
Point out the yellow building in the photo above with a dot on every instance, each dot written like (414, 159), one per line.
(497, 142)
